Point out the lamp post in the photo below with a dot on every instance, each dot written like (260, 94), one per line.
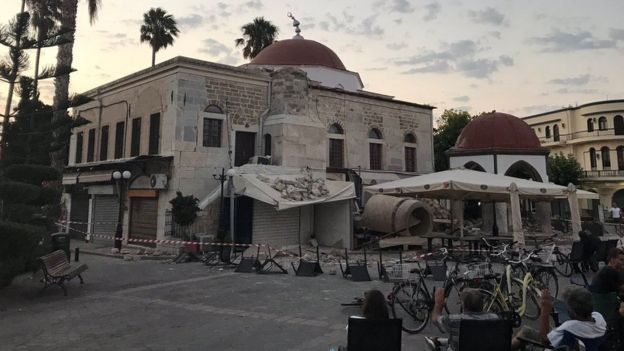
(120, 179)
(231, 173)
(221, 178)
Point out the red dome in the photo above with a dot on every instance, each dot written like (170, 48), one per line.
(298, 52)
(497, 131)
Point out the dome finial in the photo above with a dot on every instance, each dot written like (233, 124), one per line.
(296, 25)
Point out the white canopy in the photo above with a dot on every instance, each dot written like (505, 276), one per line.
(250, 185)
(467, 184)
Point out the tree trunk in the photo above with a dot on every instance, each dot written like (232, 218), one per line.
(36, 77)
(153, 57)
(64, 58)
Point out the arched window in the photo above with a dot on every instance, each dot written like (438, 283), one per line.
(602, 123)
(267, 145)
(618, 125)
(620, 157)
(335, 129)
(410, 152)
(556, 132)
(375, 149)
(606, 159)
(336, 146)
(590, 125)
(547, 131)
(213, 109)
(375, 134)
(592, 158)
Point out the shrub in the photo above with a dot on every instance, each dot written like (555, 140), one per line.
(21, 245)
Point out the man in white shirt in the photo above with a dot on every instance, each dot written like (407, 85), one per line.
(584, 325)
(615, 213)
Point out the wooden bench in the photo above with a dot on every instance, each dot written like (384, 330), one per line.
(57, 270)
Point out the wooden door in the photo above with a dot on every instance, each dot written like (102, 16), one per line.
(143, 218)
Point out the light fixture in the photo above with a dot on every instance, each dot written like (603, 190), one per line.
(126, 174)
(116, 175)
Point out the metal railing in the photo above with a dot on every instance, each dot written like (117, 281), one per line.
(603, 173)
(582, 134)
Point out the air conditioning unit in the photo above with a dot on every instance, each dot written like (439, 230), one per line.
(158, 181)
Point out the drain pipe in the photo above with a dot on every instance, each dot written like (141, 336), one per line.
(263, 115)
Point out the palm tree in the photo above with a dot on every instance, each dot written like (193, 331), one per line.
(64, 58)
(158, 29)
(257, 35)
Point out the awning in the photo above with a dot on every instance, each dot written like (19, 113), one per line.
(70, 179)
(463, 184)
(95, 176)
(249, 185)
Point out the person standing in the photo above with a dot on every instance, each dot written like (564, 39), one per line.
(615, 212)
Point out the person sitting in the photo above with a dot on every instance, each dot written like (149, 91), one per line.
(375, 305)
(585, 324)
(611, 277)
(472, 301)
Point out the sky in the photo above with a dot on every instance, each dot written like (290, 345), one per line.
(519, 57)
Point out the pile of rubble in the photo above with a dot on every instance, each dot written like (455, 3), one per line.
(300, 189)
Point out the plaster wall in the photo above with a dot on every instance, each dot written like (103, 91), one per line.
(537, 161)
(485, 161)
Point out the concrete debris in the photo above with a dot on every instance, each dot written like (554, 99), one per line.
(114, 250)
(302, 188)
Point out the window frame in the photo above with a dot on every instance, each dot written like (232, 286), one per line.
(212, 117)
(154, 144)
(135, 137)
(91, 145)
(79, 147)
(104, 138)
(120, 136)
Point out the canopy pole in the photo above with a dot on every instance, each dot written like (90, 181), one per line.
(575, 216)
(516, 217)
(461, 218)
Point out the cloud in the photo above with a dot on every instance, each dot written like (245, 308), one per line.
(133, 22)
(616, 34)
(367, 27)
(376, 69)
(488, 16)
(192, 21)
(433, 9)
(580, 80)
(495, 34)
(559, 42)
(460, 56)
(576, 91)
(396, 46)
(253, 5)
(463, 98)
(214, 48)
(401, 6)
(535, 109)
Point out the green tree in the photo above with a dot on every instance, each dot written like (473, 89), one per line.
(64, 59)
(184, 211)
(563, 169)
(257, 35)
(159, 29)
(450, 126)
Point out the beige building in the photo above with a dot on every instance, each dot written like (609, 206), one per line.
(179, 123)
(594, 134)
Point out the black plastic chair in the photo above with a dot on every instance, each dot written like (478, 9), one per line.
(374, 335)
(485, 335)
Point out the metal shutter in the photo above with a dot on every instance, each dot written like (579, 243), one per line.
(143, 218)
(105, 214)
(273, 227)
(79, 215)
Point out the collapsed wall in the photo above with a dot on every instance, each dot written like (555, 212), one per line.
(400, 215)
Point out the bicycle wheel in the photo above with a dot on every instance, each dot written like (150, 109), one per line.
(562, 264)
(532, 307)
(547, 279)
(491, 303)
(411, 303)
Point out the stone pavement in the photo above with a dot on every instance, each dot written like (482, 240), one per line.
(150, 305)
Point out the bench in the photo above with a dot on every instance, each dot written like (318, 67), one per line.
(57, 270)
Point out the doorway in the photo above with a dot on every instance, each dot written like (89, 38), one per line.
(245, 147)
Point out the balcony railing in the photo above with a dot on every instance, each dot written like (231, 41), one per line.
(582, 134)
(603, 173)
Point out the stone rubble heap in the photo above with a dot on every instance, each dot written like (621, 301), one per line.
(300, 189)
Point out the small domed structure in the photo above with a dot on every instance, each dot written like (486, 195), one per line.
(298, 52)
(497, 131)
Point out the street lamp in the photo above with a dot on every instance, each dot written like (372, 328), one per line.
(231, 173)
(120, 179)
(221, 178)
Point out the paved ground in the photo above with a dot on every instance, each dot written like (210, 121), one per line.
(151, 305)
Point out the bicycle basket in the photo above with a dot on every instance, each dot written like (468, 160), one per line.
(437, 269)
(401, 271)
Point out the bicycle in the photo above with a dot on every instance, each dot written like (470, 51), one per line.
(412, 300)
(511, 294)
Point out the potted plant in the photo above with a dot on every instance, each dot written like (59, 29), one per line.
(184, 211)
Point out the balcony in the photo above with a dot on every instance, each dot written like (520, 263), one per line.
(603, 173)
(562, 138)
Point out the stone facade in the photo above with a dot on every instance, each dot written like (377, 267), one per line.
(284, 104)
